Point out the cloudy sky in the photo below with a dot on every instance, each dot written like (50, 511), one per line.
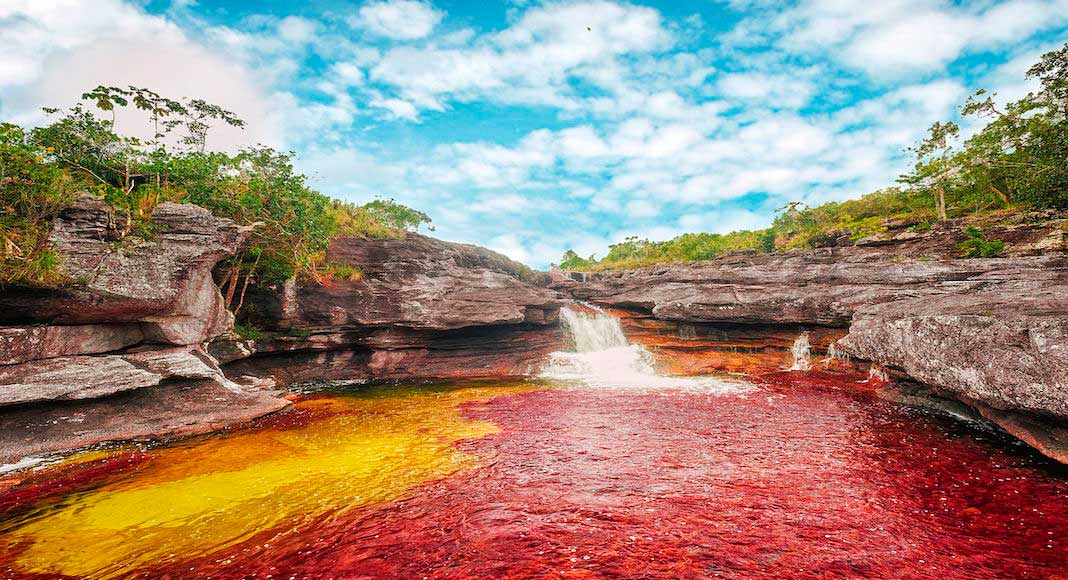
(532, 127)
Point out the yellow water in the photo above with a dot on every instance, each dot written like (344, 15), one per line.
(215, 492)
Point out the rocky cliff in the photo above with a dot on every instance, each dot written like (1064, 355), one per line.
(418, 307)
(130, 346)
(117, 352)
(990, 332)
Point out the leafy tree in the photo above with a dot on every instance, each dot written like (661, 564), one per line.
(935, 165)
(572, 261)
(80, 150)
(394, 215)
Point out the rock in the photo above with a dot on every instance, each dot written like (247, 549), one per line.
(1005, 345)
(20, 344)
(86, 377)
(115, 353)
(173, 409)
(164, 283)
(695, 348)
(818, 287)
(992, 333)
(422, 308)
(414, 282)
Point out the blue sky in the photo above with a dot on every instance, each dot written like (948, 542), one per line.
(534, 127)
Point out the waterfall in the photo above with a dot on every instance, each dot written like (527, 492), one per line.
(876, 374)
(835, 353)
(802, 352)
(593, 333)
(604, 358)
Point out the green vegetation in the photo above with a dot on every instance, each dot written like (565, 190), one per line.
(977, 246)
(43, 169)
(247, 331)
(331, 272)
(1017, 162)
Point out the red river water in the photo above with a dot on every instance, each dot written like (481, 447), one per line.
(805, 476)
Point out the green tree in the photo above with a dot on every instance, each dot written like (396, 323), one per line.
(935, 165)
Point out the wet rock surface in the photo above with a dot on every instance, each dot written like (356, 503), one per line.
(172, 409)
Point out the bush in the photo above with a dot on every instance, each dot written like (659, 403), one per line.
(32, 194)
(977, 246)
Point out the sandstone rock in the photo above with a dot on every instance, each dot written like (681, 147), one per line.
(86, 377)
(1005, 346)
(414, 282)
(164, 283)
(422, 308)
(992, 333)
(172, 409)
(20, 344)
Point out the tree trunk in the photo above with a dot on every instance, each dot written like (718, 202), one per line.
(244, 287)
(232, 283)
(942, 203)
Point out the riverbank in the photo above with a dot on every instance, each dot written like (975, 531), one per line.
(141, 346)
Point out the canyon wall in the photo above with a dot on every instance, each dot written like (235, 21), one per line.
(136, 343)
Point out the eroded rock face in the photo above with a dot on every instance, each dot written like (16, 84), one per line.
(171, 409)
(421, 308)
(88, 377)
(132, 319)
(1005, 345)
(163, 284)
(414, 282)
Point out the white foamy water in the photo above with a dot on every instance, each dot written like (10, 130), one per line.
(603, 358)
(802, 352)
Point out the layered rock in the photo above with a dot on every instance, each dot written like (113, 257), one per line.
(162, 284)
(420, 307)
(990, 332)
(133, 315)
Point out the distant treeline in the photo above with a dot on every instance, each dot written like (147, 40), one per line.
(1017, 161)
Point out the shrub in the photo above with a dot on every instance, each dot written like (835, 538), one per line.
(977, 246)
(249, 332)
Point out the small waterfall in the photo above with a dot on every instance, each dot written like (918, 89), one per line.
(876, 374)
(604, 358)
(593, 333)
(802, 352)
(836, 353)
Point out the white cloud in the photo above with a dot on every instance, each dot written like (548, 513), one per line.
(641, 208)
(55, 51)
(398, 108)
(895, 38)
(399, 19)
(773, 90)
(531, 61)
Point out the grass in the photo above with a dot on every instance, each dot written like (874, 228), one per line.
(249, 332)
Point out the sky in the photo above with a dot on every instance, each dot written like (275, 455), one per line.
(536, 127)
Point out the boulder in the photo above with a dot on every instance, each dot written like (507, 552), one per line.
(1005, 346)
(87, 377)
(163, 283)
